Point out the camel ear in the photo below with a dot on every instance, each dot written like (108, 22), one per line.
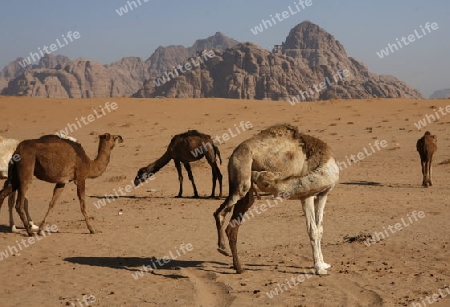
(107, 136)
(118, 137)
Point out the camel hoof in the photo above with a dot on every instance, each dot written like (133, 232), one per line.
(178, 196)
(223, 252)
(14, 229)
(240, 271)
(92, 231)
(325, 265)
(321, 271)
(34, 228)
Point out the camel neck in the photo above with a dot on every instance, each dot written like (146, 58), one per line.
(98, 166)
(160, 163)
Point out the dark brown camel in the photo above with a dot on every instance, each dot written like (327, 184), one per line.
(56, 160)
(426, 146)
(185, 148)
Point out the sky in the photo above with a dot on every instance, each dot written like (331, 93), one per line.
(364, 28)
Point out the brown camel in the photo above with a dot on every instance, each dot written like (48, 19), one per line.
(287, 164)
(56, 160)
(426, 146)
(184, 148)
(7, 149)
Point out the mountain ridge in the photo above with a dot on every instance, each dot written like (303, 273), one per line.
(308, 56)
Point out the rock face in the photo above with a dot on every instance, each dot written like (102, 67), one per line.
(58, 77)
(445, 93)
(165, 58)
(310, 65)
(17, 68)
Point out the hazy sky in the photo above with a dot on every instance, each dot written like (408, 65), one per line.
(362, 26)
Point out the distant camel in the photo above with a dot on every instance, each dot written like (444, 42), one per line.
(184, 148)
(287, 164)
(56, 160)
(426, 146)
(7, 148)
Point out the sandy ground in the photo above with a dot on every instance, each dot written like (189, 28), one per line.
(381, 190)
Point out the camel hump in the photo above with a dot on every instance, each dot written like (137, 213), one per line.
(193, 133)
(281, 130)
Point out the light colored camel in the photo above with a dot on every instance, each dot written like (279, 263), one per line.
(184, 148)
(287, 164)
(56, 160)
(7, 148)
(426, 146)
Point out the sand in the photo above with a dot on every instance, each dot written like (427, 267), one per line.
(149, 223)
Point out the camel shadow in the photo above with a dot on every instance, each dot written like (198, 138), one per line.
(4, 228)
(363, 182)
(114, 197)
(155, 265)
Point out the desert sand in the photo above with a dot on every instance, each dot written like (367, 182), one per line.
(149, 223)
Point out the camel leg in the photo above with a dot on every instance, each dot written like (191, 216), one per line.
(12, 225)
(319, 206)
(187, 166)
(219, 177)
(8, 191)
(11, 202)
(81, 196)
(240, 184)
(180, 177)
(233, 227)
(216, 175)
(219, 216)
(430, 171)
(5, 192)
(30, 220)
(20, 206)
(59, 187)
(313, 232)
(424, 173)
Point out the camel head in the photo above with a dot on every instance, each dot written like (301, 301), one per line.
(110, 139)
(143, 174)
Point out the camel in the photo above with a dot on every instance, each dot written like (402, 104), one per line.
(56, 160)
(185, 148)
(287, 164)
(7, 148)
(426, 146)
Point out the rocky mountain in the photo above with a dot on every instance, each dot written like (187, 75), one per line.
(20, 66)
(165, 58)
(309, 65)
(445, 93)
(58, 76)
